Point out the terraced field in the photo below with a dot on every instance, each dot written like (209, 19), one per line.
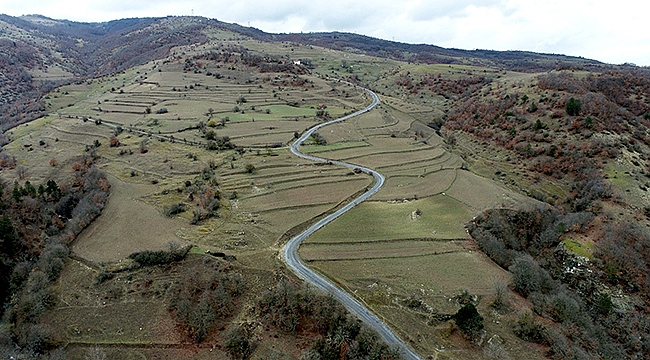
(409, 240)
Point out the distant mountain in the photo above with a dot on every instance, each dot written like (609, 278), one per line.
(38, 53)
(431, 54)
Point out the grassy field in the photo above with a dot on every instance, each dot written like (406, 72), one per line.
(440, 217)
(375, 249)
(127, 225)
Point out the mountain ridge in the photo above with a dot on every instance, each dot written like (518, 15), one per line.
(78, 50)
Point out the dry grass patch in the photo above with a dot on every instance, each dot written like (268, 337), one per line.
(444, 273)
(322, 193)
(381, 144)
(396, 158)
(243, 129)
(127, 225)
(440, 159)
(480, 193)
(341, 132)
(408, 187)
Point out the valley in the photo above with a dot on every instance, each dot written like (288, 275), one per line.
(482, 163)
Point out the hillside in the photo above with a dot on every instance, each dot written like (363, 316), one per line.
(516, 186)
(38, 53)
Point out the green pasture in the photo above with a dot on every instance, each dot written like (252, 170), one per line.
(441, 217)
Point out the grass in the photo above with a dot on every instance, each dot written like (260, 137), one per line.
(324, 193)
(333, 147)
(480, 193)
(127, 225)
(443, 273)
(374, 249)
(581, 248)
(408, 187)
(441, 217)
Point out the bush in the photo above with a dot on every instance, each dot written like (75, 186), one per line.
(529, 277)
(318, 139)
(531, 329)
(500, 291)
(51, 259)
(152, 258)
(239, 343)
(175, 209)
(204, 296)
(573, 107)
(295, 309)
(468, 320)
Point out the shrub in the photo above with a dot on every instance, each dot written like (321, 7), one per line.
(51, 259)
(500, 291)
(292, 309)
(573, 107)
(531, 329)
(103, 276)
(204, 295)
(239, 343)
(152, 258)
(318, 139)
(529, 277)
(175, 209)
(468, 320)
(143, 146)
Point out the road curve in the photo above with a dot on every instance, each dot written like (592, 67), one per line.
(290, 250)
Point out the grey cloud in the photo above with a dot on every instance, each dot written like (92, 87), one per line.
(601, 31)
(435, 9)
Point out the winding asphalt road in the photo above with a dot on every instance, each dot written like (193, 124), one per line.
(291, 248)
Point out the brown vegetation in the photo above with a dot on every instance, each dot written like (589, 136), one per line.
(36, 228)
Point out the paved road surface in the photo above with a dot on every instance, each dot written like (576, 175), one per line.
(291, 248)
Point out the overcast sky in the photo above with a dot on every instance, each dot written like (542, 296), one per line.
(609, 31)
